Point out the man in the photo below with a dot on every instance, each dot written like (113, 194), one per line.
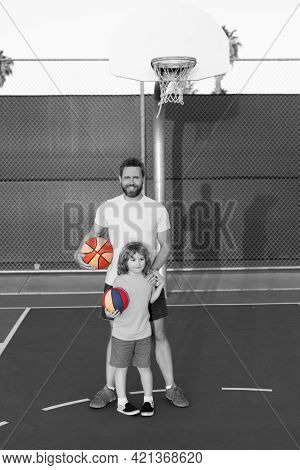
(135, 217)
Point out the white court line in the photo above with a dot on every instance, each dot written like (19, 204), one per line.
(58, 306)
(175, 291)
(169, 305)
(224, 304)
(258, 289)
(142, 391)
(3, 423)
(49, 293)
(14, 329)
(12, 308)
(61, 405)
(248, 389)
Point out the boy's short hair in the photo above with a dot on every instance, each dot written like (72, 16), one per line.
(132, 162)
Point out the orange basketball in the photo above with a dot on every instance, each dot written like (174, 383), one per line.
(98, 252)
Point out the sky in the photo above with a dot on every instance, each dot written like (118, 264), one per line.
(77, 29)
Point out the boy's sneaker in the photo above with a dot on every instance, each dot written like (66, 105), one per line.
(103, 398)
(177, 397)
(147, 409)
(128, 409)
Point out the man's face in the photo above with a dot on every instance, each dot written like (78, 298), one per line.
(131, 181)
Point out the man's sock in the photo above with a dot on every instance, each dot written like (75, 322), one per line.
(111, 388)
(169, 386)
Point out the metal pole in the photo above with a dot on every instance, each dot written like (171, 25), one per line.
(159, 156)
(143, 131)
(159, 147)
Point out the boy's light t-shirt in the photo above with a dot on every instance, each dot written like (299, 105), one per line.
(134, 322)
(131, 221)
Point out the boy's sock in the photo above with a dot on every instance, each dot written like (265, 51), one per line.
(149, 399)
(127, 408)
(122, 401)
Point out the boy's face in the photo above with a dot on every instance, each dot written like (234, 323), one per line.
(136, 263)
(131, 181)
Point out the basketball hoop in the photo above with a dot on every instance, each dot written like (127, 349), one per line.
(172, 73)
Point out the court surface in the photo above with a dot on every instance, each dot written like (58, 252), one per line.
(55, 354)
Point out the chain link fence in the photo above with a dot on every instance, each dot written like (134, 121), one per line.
(232, 163)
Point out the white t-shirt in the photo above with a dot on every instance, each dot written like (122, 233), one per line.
(134, 322)
(132, 221)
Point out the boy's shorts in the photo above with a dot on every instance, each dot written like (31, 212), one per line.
(125, 353)
(157, 310)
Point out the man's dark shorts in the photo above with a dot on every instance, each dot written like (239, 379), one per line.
(157, 310)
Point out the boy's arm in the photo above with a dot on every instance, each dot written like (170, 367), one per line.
(155, 293)
(157, 290)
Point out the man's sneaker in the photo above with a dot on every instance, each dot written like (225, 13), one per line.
(128, 409)
(177, 397)
(103, 398)
(147, 409)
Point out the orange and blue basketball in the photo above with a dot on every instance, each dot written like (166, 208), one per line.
(98, 252)
(115, 299)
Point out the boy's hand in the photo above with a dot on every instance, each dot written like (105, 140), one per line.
(112, 315)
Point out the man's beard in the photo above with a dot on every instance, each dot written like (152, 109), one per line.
(127, 189)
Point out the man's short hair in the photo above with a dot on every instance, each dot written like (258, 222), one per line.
(132, 162)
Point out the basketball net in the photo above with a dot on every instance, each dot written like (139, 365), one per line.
(172, 73)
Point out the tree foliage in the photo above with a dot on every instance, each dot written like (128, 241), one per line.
(234, 45)
(5, 67)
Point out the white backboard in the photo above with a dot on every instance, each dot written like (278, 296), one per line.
(168, 29)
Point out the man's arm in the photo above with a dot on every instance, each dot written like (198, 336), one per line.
(99, 229)
(164, 239)
(96, 231)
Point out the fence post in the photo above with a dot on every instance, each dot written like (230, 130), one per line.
(143, 132)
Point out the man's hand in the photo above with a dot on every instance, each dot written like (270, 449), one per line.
(78, 259)
(160, 280)
(155, 279)
(151, 278)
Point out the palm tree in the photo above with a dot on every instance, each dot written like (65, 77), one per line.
(189, 88)
(234, 45)
(5, 68)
